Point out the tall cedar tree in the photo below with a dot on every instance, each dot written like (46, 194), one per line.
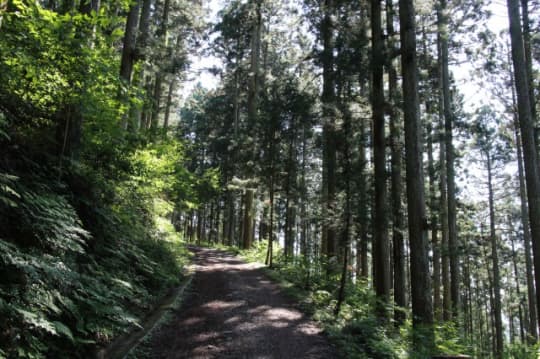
(381, 245)
(526, 122)
(421, 298)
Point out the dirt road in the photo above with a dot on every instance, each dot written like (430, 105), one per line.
(235, 311)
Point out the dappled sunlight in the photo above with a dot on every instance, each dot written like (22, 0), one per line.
(308, 329)
(191, 321)
(233, 320)
(222, 305)
(281, 313)
(235, 312)
(259, 309)
(280, 324)
(204, 337)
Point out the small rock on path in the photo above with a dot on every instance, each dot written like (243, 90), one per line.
(235, 311)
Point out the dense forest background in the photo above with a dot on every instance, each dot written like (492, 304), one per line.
(337, 146)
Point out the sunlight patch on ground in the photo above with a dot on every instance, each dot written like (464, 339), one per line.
(222, 305)
(308, 329)
(191, 321)
(278, 314)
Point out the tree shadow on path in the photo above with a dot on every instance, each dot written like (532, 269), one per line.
(235, 311)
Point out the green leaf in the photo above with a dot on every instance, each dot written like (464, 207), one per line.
(64, 330)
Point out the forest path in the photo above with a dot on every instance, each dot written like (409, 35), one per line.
(234, 311)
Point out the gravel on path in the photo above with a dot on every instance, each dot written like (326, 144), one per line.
(234, 311)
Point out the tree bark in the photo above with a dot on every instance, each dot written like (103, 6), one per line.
(398, 243)
(443, 205)
(160, 74)
(518, 289)
(172, 86)
(128, 50)
(247, 239)
(345, 233)
(362, 241)
(528, 60)
(443, 35)
(526, 122)
(437, 303)
(421, 294)
(290, 195)
(381, 245)
(526, 238)
(270, 253)
(303, 199)
(328, 245)
(230, 218)
(499, 346)
(254, 67)
(144, 30)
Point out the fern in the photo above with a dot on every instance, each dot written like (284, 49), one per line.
(80, 259)
(8, 195)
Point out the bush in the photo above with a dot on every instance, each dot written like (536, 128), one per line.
(81, 258)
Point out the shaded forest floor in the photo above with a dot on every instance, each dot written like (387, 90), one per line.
(235, 311)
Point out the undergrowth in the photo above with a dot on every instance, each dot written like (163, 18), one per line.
(82, 257)
(356, 331)
(86, 244)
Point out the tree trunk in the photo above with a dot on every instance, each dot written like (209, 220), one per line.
(290, 195)
(396, 129)
(270, 253)
(240, 217)
(362, 241)
(156, 101)
(303, 200)
(230, 218)
(160, 74)
(172, 86)
(248, 219)
(381, 245)
(443, 205)
(144, 30)
(254, 67)
(528, 60)
(499, 348)
(191, 229)
(443, 35)
(128, 57)
(518, 289)
(199, 225)
(422, 310)
(468, 302)
(437, 304)
(236, 96)
(526, 239)
(132, 120)
(345, 233)
(146, 112)
(129, 44)
(532, 175)
(328, 246)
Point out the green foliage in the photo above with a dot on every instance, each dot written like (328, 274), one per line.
(448, 339)
(85, 250)
(257, 253)
(87, 245)
(522, 351)
(77, 268)
(369, 340)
